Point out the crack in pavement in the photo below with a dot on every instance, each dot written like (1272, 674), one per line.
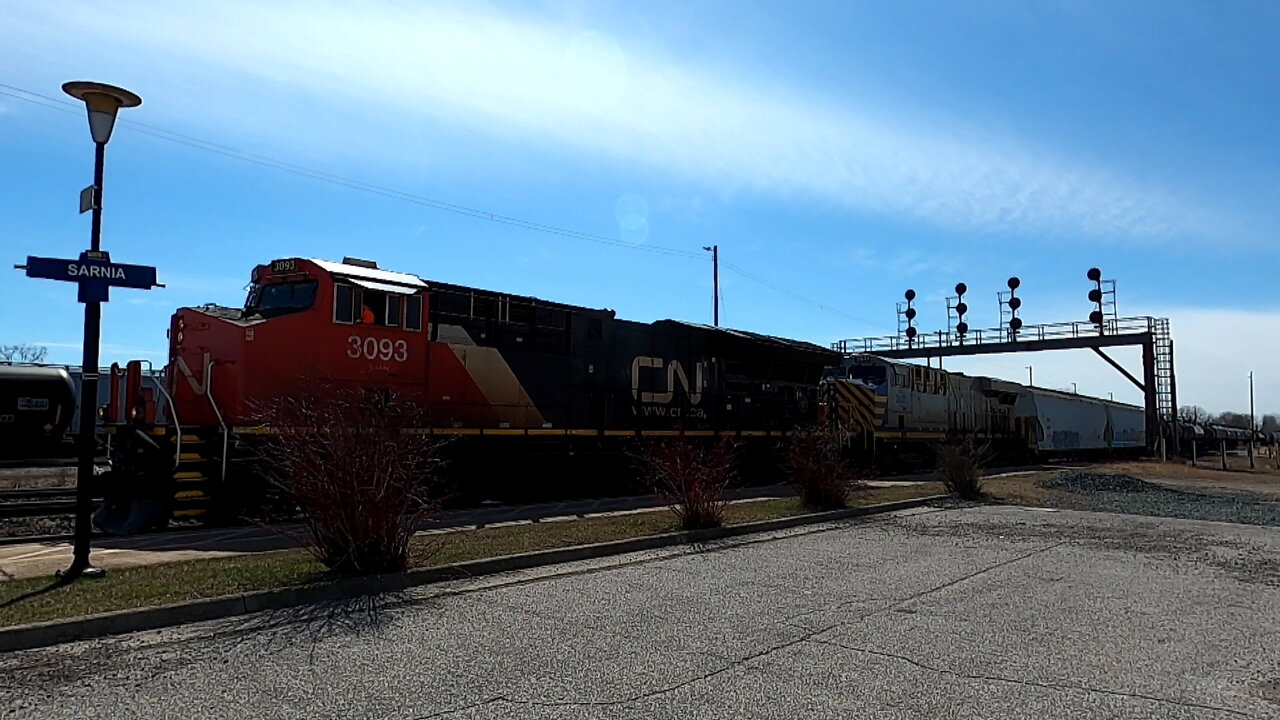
(638, 696)
(1032, 683)
(897, 603)
(807, 636)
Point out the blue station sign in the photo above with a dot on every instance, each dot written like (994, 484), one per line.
(94, 273)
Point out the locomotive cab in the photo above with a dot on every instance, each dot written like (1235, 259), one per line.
(306, 328)
(304, 324)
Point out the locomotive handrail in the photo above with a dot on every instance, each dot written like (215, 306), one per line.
(986, 336)
(173, 413)
(208, 390)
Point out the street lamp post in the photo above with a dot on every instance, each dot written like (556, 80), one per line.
(1252, 427)
(102, 102)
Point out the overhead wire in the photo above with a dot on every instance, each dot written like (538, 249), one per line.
(54, 103)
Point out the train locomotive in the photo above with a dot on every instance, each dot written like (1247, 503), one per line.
(514, 380)
(897, 412)
(541, 400)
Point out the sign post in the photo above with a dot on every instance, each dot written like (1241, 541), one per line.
(94, 273)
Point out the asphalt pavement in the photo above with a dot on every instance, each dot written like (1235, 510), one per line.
(979, 612)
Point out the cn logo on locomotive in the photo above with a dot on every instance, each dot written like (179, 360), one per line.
(675, 372)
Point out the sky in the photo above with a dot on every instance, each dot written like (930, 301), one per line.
(838, 153)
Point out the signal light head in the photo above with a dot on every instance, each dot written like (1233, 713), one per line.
(962, 308)
(1095, 295)
(962, 328)
(1015, 303)
(1014, 283)
(910, 295)
(910, 313)
(1095, 274)
(961, 288)
(1015, 324)
(1095, 317)
(911, 332)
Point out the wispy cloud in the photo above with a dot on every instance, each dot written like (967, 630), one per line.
(382, 70)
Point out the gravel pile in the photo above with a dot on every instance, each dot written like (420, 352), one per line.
(1126, 494)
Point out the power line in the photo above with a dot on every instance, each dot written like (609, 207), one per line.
(54, 103)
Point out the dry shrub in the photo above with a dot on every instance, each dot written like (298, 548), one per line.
(817, 468)
(690, 474)
(363, 480)
(960, 466)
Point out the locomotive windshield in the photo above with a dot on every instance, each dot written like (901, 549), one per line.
(280, 298)
(869, 375)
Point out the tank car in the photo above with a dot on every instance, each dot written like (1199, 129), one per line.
(37, 405)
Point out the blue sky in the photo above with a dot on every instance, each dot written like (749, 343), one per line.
(842, 151)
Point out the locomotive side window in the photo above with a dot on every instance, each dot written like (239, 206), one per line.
(344, 304)
(373, 307)
(393, 311)
(413, 312)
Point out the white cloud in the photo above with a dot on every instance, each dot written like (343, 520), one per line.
(371, 75)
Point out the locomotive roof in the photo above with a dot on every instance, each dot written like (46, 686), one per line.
(374, 274)
(758, 337)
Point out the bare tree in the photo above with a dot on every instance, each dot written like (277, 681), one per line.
(360, 468)
(1193, 414)
(960, 465)
(691, 475)
(23, 353)
(1232, 419)
(816, 466)
(1270, 423)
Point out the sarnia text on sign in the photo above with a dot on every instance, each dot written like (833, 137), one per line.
(112, 272)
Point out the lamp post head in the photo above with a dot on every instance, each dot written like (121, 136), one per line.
(103, 102)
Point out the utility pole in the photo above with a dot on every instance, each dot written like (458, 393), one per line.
(1251, 422)
(715, 282)
(1031, 382)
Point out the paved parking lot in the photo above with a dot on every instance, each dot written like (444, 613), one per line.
(958, 613)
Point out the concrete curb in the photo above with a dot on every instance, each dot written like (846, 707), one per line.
(54, 632)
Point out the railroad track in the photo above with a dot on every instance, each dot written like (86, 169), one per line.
(32, 502)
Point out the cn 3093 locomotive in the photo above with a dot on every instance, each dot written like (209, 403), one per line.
(520, 383)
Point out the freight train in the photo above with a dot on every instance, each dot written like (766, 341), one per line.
(539, 398)
(898, 411)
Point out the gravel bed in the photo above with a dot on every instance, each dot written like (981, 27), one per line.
(38, 525)
(1107, 492)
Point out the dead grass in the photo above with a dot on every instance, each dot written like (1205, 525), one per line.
(1024, 490)
(134, 587)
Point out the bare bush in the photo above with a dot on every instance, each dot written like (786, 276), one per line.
(817, 468)
(361, 471)
(960, 466)
(690, 474)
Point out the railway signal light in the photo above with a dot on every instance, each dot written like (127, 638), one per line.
(961, 307)
(1096, 296)
(910, 315)
(1013, 303)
